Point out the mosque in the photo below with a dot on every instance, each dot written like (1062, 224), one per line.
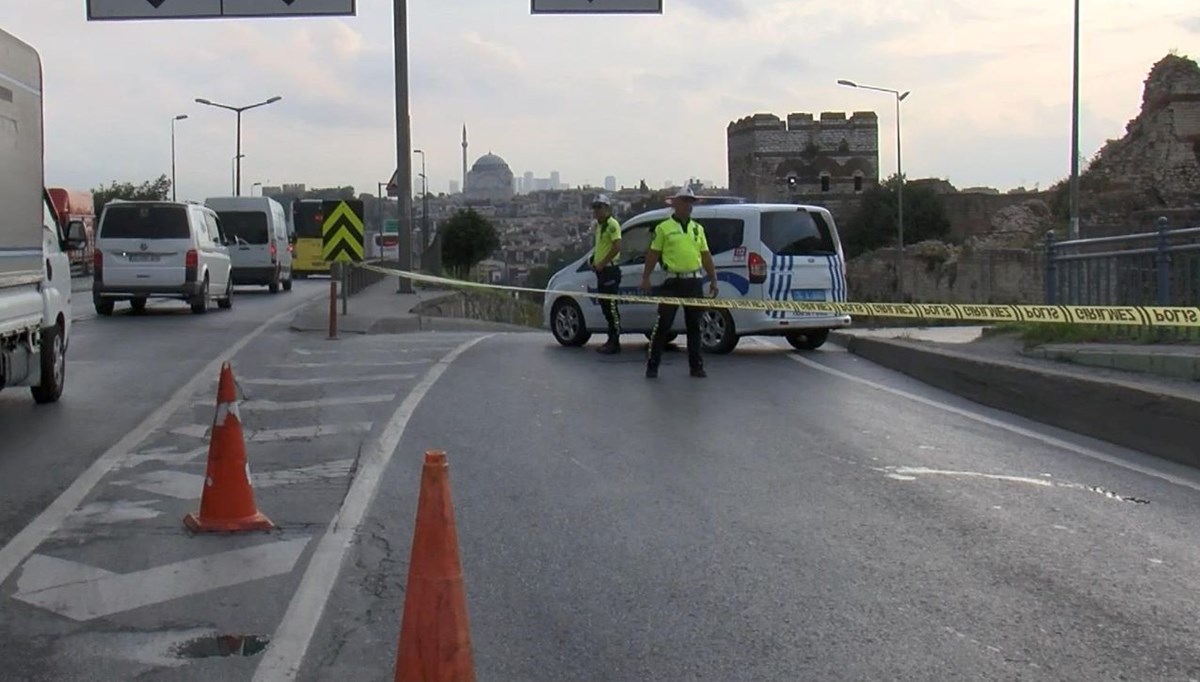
(490, 179)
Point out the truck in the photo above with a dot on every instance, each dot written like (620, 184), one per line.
(35, 271)
(76, 210)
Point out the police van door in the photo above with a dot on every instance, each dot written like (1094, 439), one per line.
(805, 262)
(635, 241)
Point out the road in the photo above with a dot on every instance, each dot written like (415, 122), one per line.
(793, 516)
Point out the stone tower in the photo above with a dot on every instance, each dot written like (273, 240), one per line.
(827, 162)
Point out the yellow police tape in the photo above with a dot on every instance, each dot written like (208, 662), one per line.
(1135, 316)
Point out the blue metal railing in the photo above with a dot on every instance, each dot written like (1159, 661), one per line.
(1149, 268)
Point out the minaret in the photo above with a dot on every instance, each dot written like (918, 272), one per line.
(464, 146)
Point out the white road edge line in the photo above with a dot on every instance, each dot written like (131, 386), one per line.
(283, 659)
(52, 518)
(1011, 428)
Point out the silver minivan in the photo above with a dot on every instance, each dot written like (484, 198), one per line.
(259, 229)
(160, 249)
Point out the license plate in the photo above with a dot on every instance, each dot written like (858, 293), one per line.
(143, 258)
(808, 294)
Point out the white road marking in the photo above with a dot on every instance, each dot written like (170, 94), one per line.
(188, 486)
(108, 513)
(319, 381)
(282, 660)
(1011, 428)
(272, 435)
(51, 519)
(356, 351)
(350, 363)
(165, 455)
(90, 593)
(276, 406)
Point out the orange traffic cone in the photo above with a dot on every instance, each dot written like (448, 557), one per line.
(227, 504)
(435, 638)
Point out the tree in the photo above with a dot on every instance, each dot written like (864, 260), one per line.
(874, 225)
(150, 190)
(467, 238)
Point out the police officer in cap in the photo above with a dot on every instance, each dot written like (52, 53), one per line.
(608, 273)
(680, 244)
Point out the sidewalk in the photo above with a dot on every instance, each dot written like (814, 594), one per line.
(378, 309)
(1143, 411)
(1178, 362)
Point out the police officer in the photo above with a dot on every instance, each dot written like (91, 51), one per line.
(608, 273)
(680, 244)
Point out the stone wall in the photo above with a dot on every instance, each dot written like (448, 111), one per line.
(972, 214)
(939, 273)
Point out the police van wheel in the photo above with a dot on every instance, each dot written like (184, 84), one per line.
(717, 334)
(810, 339)
(567, 323)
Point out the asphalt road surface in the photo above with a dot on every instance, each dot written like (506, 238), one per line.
(791, 517)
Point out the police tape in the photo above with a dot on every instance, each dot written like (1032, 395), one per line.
(1127, 316)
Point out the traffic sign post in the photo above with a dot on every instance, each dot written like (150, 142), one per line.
(115, 10)
(596, 6)
(342, 231)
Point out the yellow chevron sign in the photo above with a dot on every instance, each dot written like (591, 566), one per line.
(342, 231)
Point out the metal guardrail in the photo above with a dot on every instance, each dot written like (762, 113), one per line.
(1150, 268)
(358, 279)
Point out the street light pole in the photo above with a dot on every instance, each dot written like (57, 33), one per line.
(900, 97)
(180, 117)
(235, 163)
(1073, 228)
(424, 201)
(403, 142)
(237, 182)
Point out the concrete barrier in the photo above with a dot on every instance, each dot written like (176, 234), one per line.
(1155, 421)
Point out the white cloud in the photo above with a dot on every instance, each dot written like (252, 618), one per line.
(637, 96)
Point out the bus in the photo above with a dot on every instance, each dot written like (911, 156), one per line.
(307, 218)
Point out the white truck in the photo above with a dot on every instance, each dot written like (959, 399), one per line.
(35, 271)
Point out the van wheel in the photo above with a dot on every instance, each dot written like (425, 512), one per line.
(273, 287)
(810, 339)
(138, 305)
(200, 303)
(567, 324)
(287, 284)
(717, 334)
(226, 302)
(54, 367)
(103, 306)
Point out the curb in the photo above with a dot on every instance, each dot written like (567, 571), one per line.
(1156, 421)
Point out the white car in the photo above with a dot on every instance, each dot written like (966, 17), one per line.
(160, 249)
(259, 227)
(761, 252)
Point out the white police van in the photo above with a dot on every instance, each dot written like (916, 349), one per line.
(761, 252)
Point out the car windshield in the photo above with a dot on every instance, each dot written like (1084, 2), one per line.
(796, 233)
(145, 222)
(248, 227)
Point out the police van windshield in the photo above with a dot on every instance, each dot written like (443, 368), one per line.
(145, 222)
(247, 226)
(796, 233)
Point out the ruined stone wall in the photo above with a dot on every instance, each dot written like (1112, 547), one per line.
(938, 273)
(972, 214)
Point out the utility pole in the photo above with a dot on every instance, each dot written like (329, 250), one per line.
(1073, 228)
(403, 143)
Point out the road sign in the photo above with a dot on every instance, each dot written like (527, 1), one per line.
(393, 185)
(597, 6)
(342, 232)
(391, 226)
(109, 10)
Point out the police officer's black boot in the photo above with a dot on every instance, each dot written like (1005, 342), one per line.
(610, 347)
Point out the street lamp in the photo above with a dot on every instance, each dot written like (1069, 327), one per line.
(257, 184)
(180, 117)
(900, 97)
(235, 166)
(1073, 227)
(424, 201)
(237, 182)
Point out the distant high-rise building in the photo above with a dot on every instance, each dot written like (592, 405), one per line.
(610, 183)
(555, 180)
(454, 187)
(527, 183)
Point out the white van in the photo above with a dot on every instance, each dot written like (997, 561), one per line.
(259, 227)
(160, 249)
(761, 252)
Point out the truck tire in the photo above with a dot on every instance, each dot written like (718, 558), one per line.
(53, 367)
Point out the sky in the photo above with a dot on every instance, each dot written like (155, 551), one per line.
(634, 96)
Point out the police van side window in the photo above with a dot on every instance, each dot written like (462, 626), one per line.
(634, 242)
(723, 234)
(795, 233)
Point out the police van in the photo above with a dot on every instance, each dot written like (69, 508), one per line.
(781, 252)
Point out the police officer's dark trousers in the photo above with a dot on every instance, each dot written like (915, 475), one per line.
(681, 287)
(608, 281)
